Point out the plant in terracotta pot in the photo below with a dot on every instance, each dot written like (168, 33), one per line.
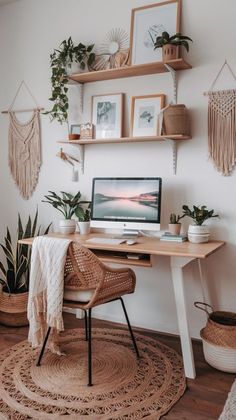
(198, 232)
(14, 274)
(83, 219)
(61, 62)
(66, 204)
(174, 224)
(169, 45)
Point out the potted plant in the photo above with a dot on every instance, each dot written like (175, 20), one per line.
(83, 219)
(61, 61)
(67, 205)
(14, 275)
(198, 232)
(174, 225)
(169, 45)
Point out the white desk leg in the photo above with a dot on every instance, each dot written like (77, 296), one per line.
(177, 264)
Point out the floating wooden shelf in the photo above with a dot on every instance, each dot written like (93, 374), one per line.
(127, 139)
(130, 71)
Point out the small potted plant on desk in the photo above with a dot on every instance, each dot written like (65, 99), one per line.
(169, 45)
(198, 233)
(14, 274)
(83, 219)
(66, 204)
(174, 226)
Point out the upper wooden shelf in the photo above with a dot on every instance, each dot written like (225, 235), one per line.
(127, 139)
(130, 71)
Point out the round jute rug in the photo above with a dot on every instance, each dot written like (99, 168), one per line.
(124, 387)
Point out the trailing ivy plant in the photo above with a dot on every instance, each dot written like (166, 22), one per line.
(14, 275)
(60, 60)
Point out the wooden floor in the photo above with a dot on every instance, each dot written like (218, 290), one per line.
(205, 396)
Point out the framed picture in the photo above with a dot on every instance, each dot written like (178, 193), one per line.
(75, 129)
(144, 115)
(147, 23)
(107, 115)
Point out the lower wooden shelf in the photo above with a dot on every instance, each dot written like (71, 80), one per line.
(127, 139)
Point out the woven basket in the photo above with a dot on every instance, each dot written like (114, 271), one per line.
(176, 120)
(219, 338)
(13, 309)
(219, 357)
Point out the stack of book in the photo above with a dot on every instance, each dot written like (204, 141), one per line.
(167, 236)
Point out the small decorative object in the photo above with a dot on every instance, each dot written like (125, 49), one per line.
(14, 276)
(169, 45)
(107, 115)
(83, 219)
(86, 131)
(66, 204)
(62, 59)
(198, 232)
(67, 158)
(144, 115)
(114, 52)
(149, 22)
(176, 120)
(74, 132)
(221, 126)
(174, 225)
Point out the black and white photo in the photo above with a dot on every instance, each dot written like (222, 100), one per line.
(107, 113)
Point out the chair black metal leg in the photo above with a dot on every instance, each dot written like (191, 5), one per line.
(43, 348)
(130, 329)
(86, 324)
(89, 348)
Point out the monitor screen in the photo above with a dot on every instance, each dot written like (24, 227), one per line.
(126, 203)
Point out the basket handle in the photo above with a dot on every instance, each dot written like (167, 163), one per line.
(203, 306)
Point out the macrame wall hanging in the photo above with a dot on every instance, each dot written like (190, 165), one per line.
(24, 149)
(222, 126)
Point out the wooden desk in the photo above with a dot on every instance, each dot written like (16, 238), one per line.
(180, 255)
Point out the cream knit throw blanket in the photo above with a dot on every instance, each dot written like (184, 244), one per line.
(46, 289)
(24, 153)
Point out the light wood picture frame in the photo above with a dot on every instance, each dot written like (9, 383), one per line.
(147, 23)
(107, 115)
(144, 115)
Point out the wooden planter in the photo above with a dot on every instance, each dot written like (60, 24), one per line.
(13, 309)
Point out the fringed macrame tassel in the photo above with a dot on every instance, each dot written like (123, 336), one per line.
(222, 130)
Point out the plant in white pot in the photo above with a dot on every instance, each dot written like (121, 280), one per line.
(174, 226)
(199, 232)
(65, 204)
(83, 219)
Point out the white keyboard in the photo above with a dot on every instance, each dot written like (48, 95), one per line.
(105, 241)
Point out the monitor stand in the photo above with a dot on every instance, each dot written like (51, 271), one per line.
(127, 234)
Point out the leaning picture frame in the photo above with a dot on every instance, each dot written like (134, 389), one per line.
(75, 129)
(107, 115)
(144, 115)
(147, 23)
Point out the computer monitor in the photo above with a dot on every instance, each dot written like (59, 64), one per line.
(130, 204)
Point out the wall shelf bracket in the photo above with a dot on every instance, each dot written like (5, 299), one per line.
(173, 144)
(81, 150)
(174, 79)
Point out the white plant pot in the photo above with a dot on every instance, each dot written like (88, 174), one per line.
(198, 234)
(75, 68)
(67, 226)
(84, 227)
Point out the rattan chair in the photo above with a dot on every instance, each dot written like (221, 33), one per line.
(85, 273)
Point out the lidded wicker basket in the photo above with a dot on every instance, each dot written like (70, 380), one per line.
(219, 338)
(176, 120)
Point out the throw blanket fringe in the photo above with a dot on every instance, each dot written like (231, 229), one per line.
(46, 289)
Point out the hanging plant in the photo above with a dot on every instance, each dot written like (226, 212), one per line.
(62, 59)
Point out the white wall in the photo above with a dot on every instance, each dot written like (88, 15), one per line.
(29, 30)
